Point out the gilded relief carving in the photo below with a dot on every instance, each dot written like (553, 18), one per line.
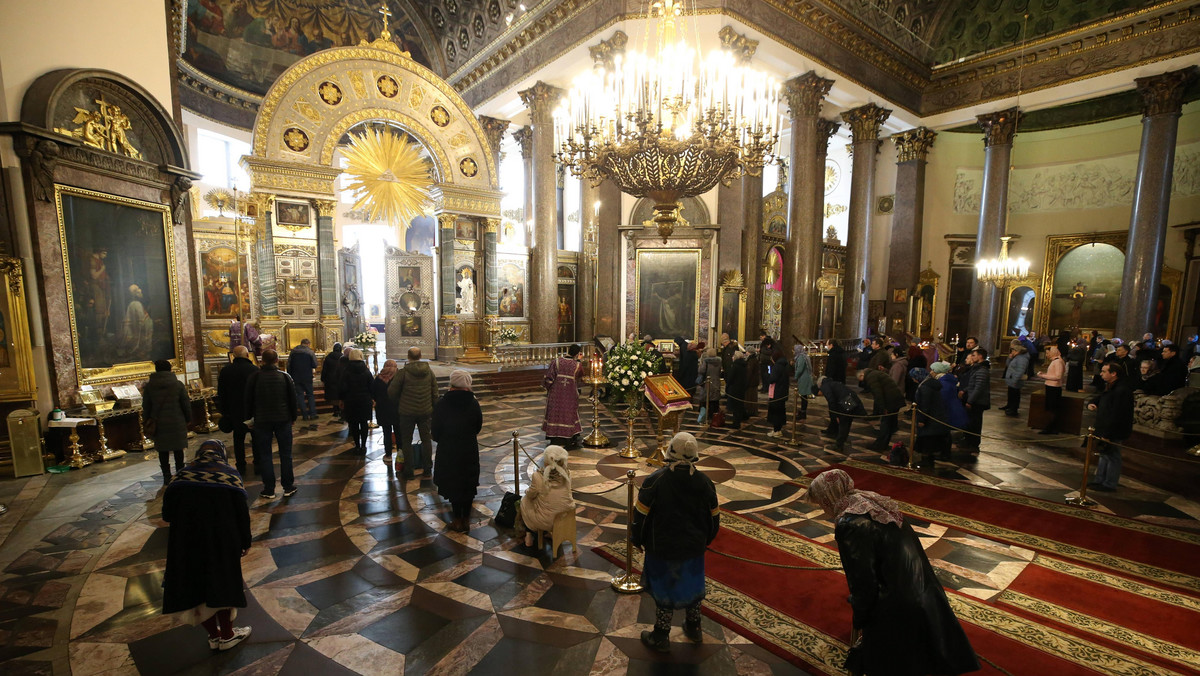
(103, 128)
(388, 88)
(295, 139)
(308, 110)
(468, 167)
(358, 83)
(440, 116)
(330, 93)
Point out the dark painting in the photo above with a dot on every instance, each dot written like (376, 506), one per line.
(121, 282)
(409, 276)
(668, 282)
(730, 314)
(1087, 288)
(566, 313)
(420, 237)
(410, 327)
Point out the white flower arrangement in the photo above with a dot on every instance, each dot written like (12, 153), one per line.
(626, 367)
(507, 335)
(366, 339)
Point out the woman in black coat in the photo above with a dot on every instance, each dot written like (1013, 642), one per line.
(780, 375)
(457, 420)
(933, 437)
(735, 389)
(329, 377)
(903, 624)
(835, 362)
(209, 534)
(385, 409)
(355, 385)
(165, 401)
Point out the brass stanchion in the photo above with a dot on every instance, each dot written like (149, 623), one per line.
(208, 426)
(626, 583)
(146, 443)
(516, 465)
(912, 438)
(1082, 500)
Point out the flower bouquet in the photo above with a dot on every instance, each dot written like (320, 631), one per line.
(626, 368)
(507, 336)
(366, 339)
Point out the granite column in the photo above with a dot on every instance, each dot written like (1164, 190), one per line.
(825, 130)
(585, 304)
(999, 128)
(541, 99)
(609, 265)
(864, 122)
(904, 253)
(264, 257)
(326, 259)
(751, 263)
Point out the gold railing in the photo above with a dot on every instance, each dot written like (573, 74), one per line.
(533, 353)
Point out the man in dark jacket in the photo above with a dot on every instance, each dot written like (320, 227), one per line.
(1174, 371)
(728, 347)
(231, 393)
(329, 378)
(271, 404)
(976, 394)
(842, 404)
(835, 362)
(735, 389)
(301, 365)
(689, 363)
(415, 391)
(766, 348)
(889, 399)
(1114, 423)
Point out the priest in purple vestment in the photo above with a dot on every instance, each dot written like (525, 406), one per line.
(562, 399)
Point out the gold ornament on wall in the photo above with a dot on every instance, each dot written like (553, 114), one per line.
(295, 139)
(388, 86)
(330, 93)
(440, 116)
(469, 167)
(103, 128)
(388, 176)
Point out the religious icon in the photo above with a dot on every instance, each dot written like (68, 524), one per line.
(464, 302)
(294, 216)
(1087, 288)
(667, 292)
(410, 326)
(409, 276)
(512, 290)
(566, 313)
(219, 279)
(899, 295)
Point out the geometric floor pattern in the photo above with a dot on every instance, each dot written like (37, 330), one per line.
(358, 573)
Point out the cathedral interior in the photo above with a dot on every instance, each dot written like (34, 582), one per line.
(494, 181)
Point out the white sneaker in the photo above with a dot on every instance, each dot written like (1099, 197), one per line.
(239, 635)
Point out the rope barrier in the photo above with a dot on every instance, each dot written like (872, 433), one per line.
(1143, 451)
(1073, 437)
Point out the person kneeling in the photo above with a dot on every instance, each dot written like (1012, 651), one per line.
(548, 496)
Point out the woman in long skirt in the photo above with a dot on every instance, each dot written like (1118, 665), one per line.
(676, 519)
(457, 420)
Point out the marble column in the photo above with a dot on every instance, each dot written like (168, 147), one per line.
(264, 258)
(904, 253)
(1162, 100)
(864, 122)
(609, 266)
(542, 300)
(804, 95)
(751, 261)
(586, 281)
(524, 138)
(445, 253)
(493, 130)
(731, 216)
(999, 128)
(825, 130)
(326, 258)
(491, 271)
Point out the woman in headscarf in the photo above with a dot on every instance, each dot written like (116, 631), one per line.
(676, 518)
(548, 496)
(329, 378)
(804, 378)
(355, 386)
(385, 408)
(709, 382)
(952, 406)
(166, 402)
(903, 624)
(205, 505)
(933, 437)
(457, 420)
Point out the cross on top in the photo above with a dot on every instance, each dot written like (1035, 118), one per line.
(387, 14)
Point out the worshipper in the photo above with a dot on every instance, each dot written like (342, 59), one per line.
(245, 334)
(879, 355)
(802, 372)
(1054, 381)
(271, 408)
(357, 399)
(750, 396)
(648, 341)
(676, 518)
(728, 347)
(1148, 380)
(1191, 350)
(1174, 372)
(888, 399)
(976, 394)
(916, 360)
(329, 378)
(689, 362)
(933, 437)
(766, 348)
(165, 402)
(961, 366)
(209, 533)
(1121, 358)
(898, 370)
(385, 408)
(301, 365)
(952, 406)
(708, 383)
(735, 389)
(903, 624)
(777, 394)
(1030, 341)
(842, 404)
(1076, 356)
(414, 389)
(866, 350)
(1114, 424)
(548, 495)
(835, 361)
(561, 382)
(1015, 373)
(457, 420)
(231, 396)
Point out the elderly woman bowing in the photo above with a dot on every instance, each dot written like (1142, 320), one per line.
(676, 519)
(457, 420)
(548, 496)
(903, 624)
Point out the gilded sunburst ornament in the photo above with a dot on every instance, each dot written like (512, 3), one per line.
(388, 176)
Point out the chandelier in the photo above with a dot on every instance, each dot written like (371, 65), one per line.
(666, 124)
(1002, 270)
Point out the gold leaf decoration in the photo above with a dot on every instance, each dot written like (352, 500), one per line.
(388, 176)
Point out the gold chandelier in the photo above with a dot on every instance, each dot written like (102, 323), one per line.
(1002, 270)
(666, 124)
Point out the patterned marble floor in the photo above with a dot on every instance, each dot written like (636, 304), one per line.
(359, 574)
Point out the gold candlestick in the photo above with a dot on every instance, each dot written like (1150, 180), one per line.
(629, 451)
(77, 460)
(595, 438)
(209, 425)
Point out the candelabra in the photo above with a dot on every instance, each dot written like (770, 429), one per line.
(595, 378)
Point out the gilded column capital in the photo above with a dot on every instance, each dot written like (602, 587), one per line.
(262, 201)
(805, 93)
(491, 225)
(743, 48)
(494, 130)
(825, 131)
(524, 138)
(913, 144)
(865, 121)
(324, 207)
(603, 54)
(541, 99)
(1163, 94)
(999, 127)
(447, 221)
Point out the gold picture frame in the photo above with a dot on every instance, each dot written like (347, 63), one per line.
(17, 381)
(925, 303)
(1058, 246)
(161, 286)
(671, 267)
(1007, 318)
(731, 310)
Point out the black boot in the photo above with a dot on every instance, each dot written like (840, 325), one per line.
(656, 640)
(692, 631)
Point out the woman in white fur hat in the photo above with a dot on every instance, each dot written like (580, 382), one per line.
(547, 497)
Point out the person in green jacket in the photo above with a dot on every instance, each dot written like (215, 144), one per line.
(414, 390)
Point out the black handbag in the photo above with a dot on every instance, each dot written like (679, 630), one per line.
(506, 516)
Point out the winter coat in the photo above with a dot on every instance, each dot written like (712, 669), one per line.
(165, 401)
(908, 628)
(835, 364)
(689, 363)
(1174, 375)
(802, 373)
(976, 385)
(676, 514)
(899, 371)
(329, 375)
(881, 358)
(726, 354)
(753, 380)
(414, 389)
(928, 399)
(781, 378)
(709, 379)
(952, 406)
(456, 422)
(301, 363)
(231, 390)
(271, 396)
(355, 387)
(1114, 412)
(841, 399)
(385, 408)
(735, 379)
(543, 501)
(210, 527)
(1016, 370)
(888, 396)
